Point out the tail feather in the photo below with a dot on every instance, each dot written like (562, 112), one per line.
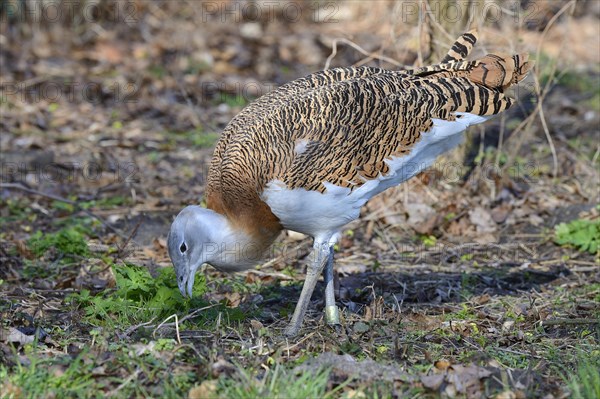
(461, 47)
(499, 72)
(475, 86)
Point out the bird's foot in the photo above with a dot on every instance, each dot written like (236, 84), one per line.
(338, 329)
(292, 330)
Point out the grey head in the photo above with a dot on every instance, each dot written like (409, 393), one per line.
(192, 232)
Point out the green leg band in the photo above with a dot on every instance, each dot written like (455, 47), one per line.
(332, 315)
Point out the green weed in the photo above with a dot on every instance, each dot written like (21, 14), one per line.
(138, 297)
(69, 242)
(108, 202)
(202, 139)
(233, 100)
(67, 377)
(46, 377)
(585, 383)
(428, 241)
(581, 233)
(464, 314)
(16, 210)
(62, 206)
(277, 383)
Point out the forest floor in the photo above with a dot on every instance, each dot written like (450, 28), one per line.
(478, 278)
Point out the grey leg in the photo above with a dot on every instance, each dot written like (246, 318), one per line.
(320, 256)
(332, 314)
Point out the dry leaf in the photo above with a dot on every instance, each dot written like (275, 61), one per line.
(108, 52)
(23, 250)
(480, 300)
(506, 395)
(500, 213)
(421, 217)
(256, 325)
(222, 366)
(482, 220)
(508, 325)
(15, 336)
(207, 389)
(233, 299)
(433, 381)
(442, 364)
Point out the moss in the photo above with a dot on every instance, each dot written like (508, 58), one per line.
(68, 242)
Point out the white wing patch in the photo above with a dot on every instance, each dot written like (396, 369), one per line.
(323, 215)
(301, 145)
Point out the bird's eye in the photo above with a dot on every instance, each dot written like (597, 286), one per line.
(183, 247)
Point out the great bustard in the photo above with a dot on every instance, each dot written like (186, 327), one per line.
(307, 156)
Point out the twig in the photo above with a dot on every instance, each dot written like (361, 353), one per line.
(135, 229)
(557, 322)
(176, 327)
(596, 154)
(420, 38)
(500, 140)
(547, 131)
(132, 329)
(127, 381)
(584, 269)
(541, 93)
(518, 352)
(429, 13)
(383, 233)
(268, 274)
(360, 50)
(76, 204)
(195, 312)
(185, 318)
(547, 29)
(287, 348)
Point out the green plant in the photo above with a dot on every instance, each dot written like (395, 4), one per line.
(108, 202)
(233, 100)
(68, 242)
(277, 382)
(203, 139)
(61, 377)
(583, 234)
(585, 383)
(17, 209)
(465, 313)
(428, 241)
(138, 297)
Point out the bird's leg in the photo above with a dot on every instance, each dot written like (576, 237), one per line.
(320, 255)
(332, 314)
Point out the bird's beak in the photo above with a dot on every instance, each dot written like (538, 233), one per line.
(187, 285)
(190, 283)
(182, 284)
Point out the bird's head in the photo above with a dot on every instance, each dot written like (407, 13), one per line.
(191, 243)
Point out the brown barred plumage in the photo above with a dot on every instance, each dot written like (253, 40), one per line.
(461, 47)
(352, 119)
